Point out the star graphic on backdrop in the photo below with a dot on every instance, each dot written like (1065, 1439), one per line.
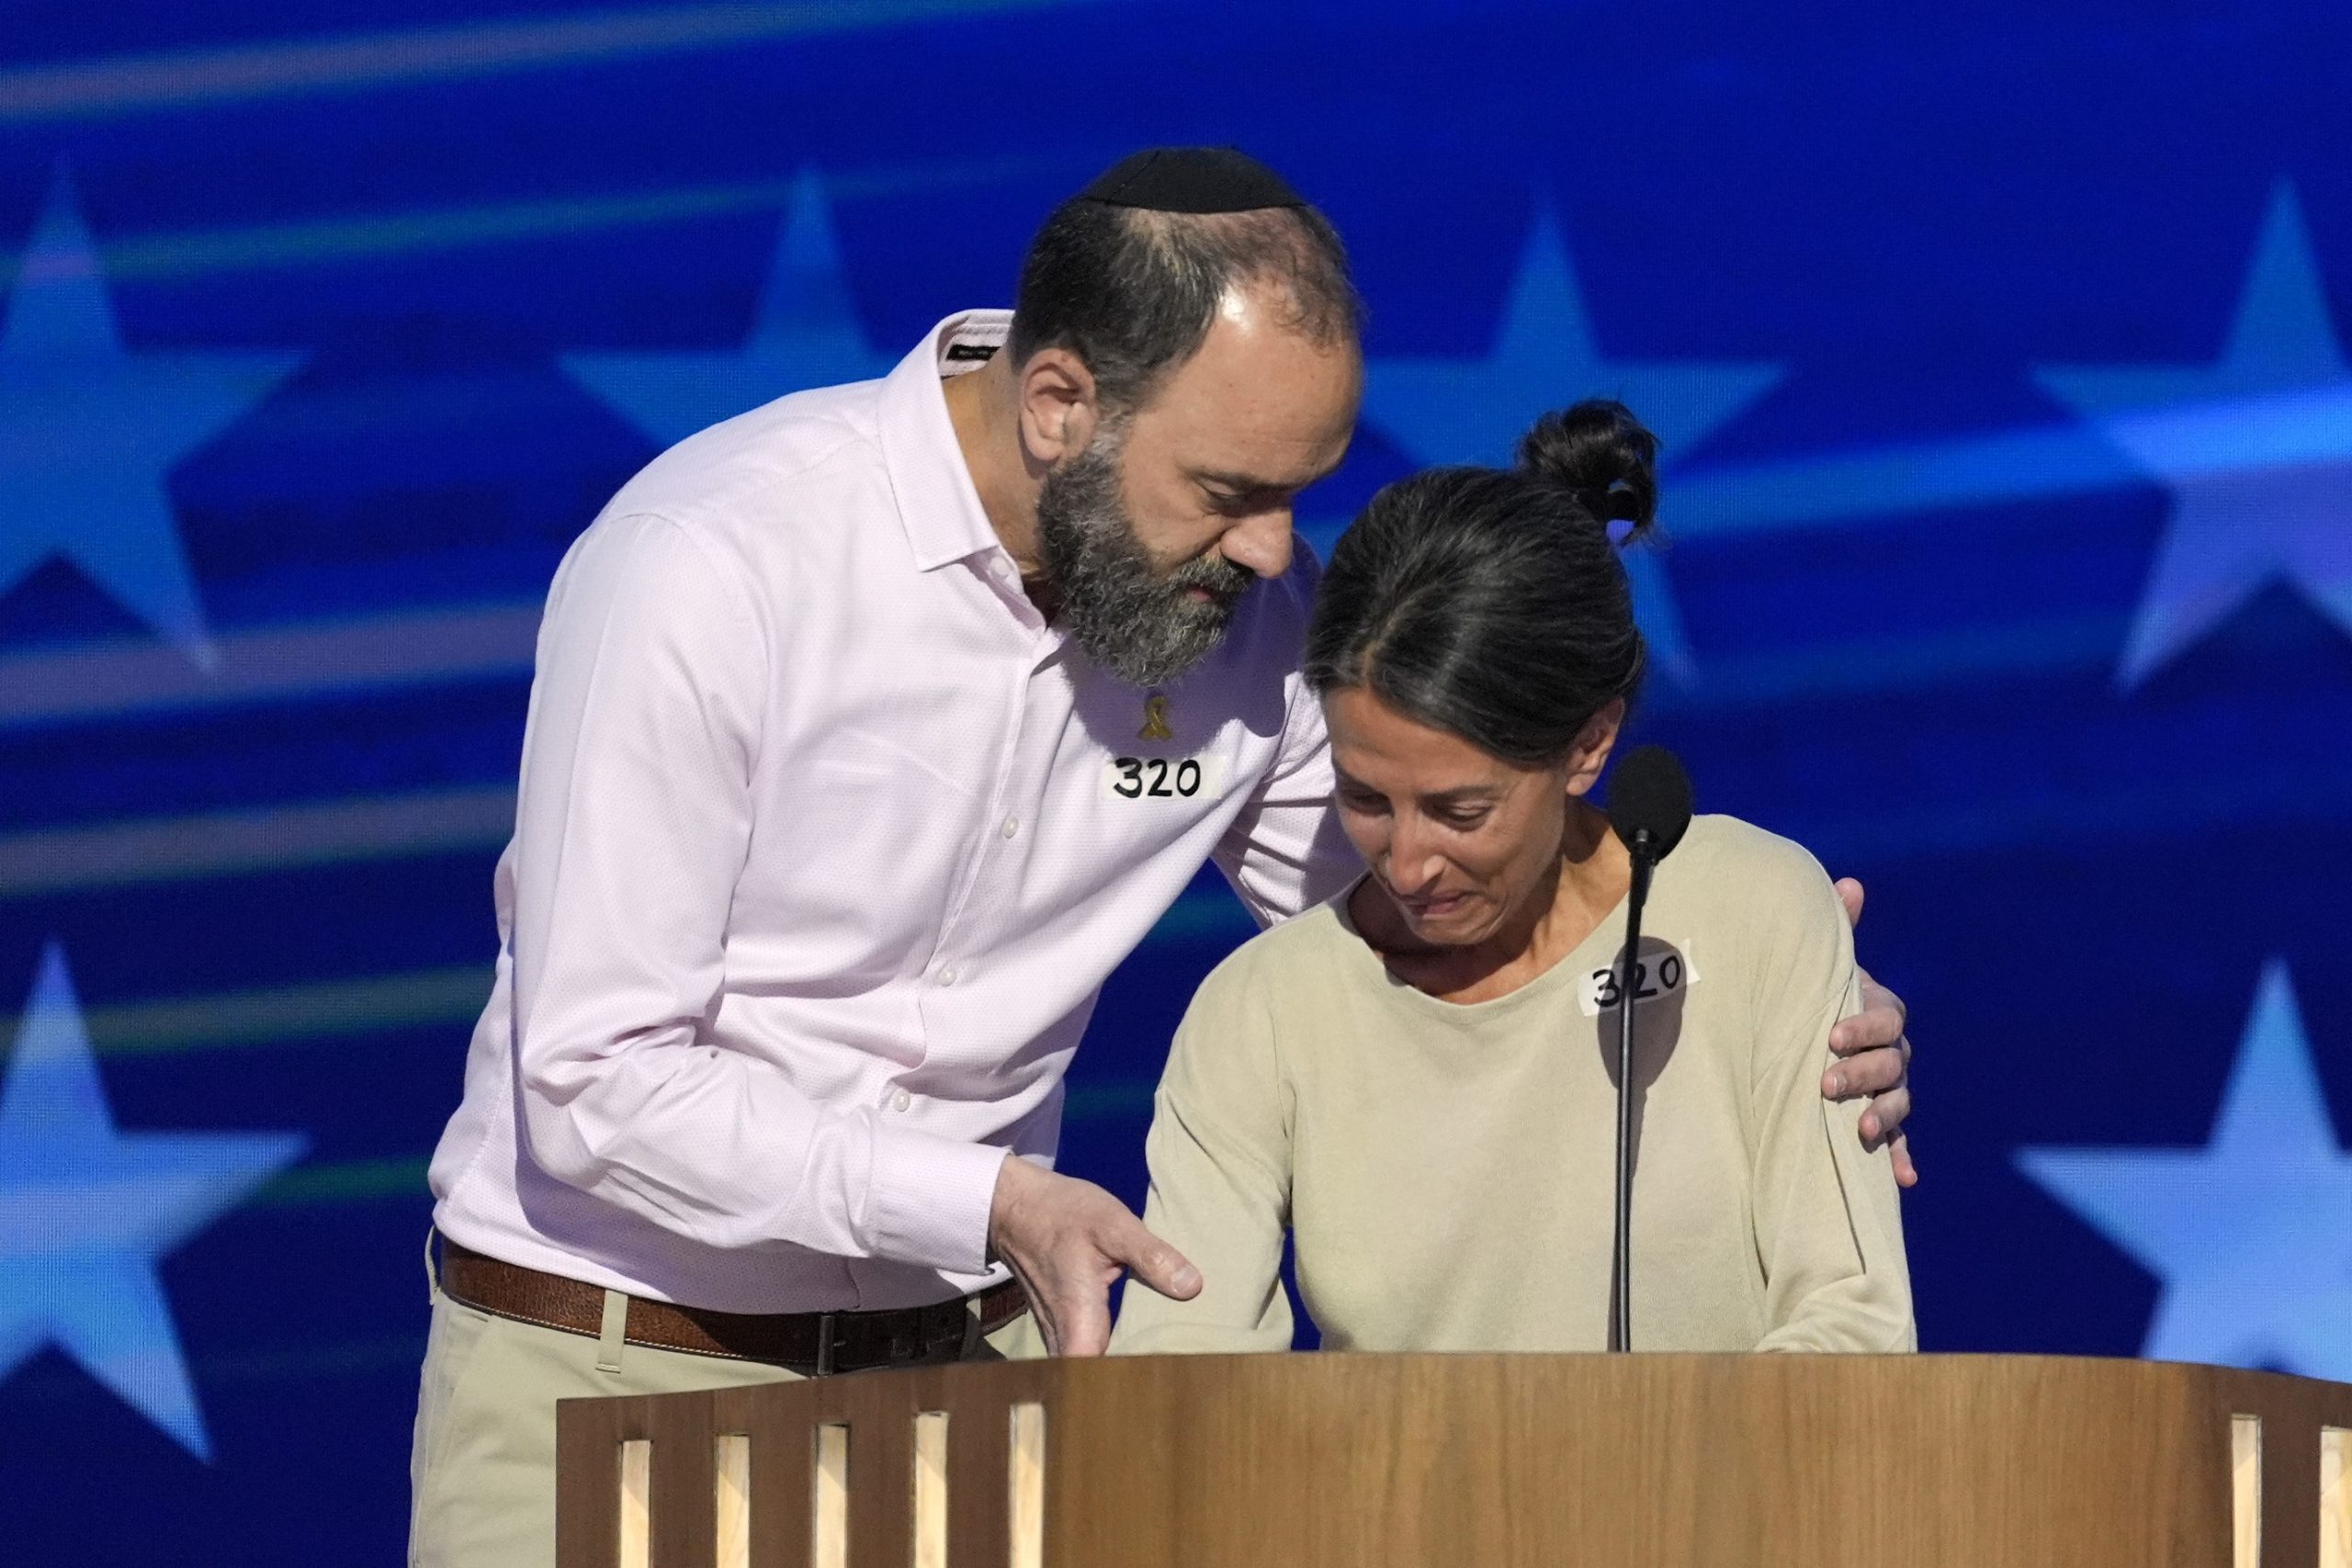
(2252, 1235)
(2262, 481)
(86, 1212)
(806, 334)
(89, 432)
(1545, 355)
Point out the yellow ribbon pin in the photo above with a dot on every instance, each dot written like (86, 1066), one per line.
(1155, 719)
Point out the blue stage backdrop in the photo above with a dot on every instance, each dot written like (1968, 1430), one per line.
(2001, 353)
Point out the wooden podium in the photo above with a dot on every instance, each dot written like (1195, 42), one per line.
(1484, 1461)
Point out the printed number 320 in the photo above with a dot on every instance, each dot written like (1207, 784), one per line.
(1157, 776)
(1605, 990)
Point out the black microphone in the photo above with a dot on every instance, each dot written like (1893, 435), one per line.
(1649, 806)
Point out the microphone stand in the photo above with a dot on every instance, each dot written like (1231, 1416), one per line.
(1621, 1328)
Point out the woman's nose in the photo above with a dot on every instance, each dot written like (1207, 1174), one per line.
(1413, 862)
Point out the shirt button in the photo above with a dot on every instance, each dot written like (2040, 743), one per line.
(900, 1099)
(1012, 826)
(947, 975)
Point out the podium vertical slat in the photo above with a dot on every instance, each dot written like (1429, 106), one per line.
(783, 1455)
(635, 1505)
(2293, 1411)
(1027, 1433)
(2336, 1497)
(976, 1461)
(730, 1503)
(2245, 1491)
(929, 1520)
(685, 1531)
(829, 1478)
(588, 1463)
(881, 1416)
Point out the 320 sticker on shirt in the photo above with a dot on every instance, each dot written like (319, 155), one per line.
(1659, 972)
(1163, 778)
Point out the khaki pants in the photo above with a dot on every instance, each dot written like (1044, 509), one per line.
(481, 1471)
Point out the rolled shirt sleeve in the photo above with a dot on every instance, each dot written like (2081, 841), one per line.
(633, 826)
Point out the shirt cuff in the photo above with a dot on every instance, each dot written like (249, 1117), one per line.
(931, 1197)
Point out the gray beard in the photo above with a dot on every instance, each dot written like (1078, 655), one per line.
(1130, 620)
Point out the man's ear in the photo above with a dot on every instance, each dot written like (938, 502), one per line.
(1058, 407)
(1589, 754)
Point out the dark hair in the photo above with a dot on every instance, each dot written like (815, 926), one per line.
(1490, 603)
(1133, 292)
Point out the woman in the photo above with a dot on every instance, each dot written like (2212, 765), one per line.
(1415, 1080)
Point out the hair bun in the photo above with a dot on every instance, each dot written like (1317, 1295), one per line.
(1599, 450)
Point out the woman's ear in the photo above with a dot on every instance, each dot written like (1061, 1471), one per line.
(1591, 752)
(1058, 410)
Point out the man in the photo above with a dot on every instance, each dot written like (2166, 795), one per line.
(871, 730)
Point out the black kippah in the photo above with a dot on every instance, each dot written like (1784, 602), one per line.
(1190, 179)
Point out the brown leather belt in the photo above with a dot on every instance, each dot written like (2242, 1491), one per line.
(813, 1343)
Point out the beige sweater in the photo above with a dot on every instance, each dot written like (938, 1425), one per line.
(1447, 1169)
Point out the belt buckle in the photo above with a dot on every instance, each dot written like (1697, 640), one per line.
(825, 1346)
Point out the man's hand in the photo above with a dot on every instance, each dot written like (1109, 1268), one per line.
(1874, 1059)
(1066, 1241)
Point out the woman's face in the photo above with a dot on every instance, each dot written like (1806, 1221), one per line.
(1462, 840)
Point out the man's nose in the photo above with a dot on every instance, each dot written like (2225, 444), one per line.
(1260, 543)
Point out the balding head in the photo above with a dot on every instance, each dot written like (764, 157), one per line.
(1133, 292)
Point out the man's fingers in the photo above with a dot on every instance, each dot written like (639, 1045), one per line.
(1905, 1173)
(1874, 1059)
(1083, 1323)
(1153, 1261)
(1877, 1024)
(1878, 998)
(1070, 1304)
(1870, 1072)
(1041, 1307)
(1885, 1119)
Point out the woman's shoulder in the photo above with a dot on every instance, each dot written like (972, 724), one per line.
(1734, 867)
(1268, 1001)
(1733, 845)
(1307, 944)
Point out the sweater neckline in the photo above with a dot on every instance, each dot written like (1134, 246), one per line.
(1596, 951)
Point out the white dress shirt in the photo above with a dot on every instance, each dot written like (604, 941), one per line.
(823, 850)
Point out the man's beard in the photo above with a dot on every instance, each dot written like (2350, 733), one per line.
(1132, 620)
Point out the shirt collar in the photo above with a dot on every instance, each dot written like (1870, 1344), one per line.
(938, 506)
